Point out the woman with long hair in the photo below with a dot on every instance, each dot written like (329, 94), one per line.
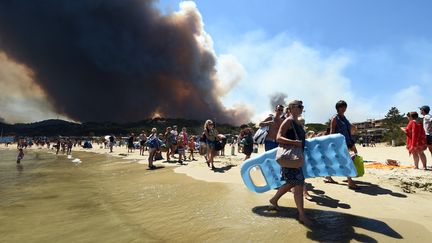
(211, 136)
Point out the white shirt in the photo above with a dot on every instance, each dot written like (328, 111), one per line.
(427, 124)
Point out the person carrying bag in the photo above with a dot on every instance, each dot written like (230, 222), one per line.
(291, 139)
(288, 155)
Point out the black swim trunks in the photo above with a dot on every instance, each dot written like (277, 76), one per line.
(429, 139)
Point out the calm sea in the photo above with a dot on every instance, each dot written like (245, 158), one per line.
(104, 199)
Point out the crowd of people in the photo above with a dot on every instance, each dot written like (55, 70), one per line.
(285, 127)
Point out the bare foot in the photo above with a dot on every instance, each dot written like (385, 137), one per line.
(274, 205)
(353, 186)
(307, 196)
(306, 221)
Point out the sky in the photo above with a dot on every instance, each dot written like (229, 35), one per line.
(373, 54)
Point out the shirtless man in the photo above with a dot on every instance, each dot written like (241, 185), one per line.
(273, 122)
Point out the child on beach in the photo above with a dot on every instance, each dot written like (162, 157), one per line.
(20, 155)
(181, 149)
(246, 138)
(191, 146)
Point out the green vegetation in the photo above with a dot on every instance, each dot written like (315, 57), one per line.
(64, 128)
(393, 122)
(316, 127)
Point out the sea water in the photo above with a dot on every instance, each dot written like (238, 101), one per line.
(105, 199)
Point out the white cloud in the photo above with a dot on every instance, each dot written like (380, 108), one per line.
(280, 64)
(408, 99)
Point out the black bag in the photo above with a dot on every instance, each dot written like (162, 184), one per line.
(218, 145)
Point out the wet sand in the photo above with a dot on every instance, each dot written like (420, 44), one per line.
(109, 199)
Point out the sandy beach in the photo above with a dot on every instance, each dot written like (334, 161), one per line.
(399, 198)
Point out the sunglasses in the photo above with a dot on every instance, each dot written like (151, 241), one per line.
(299, 106)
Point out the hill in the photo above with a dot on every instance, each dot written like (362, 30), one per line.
(55, 127)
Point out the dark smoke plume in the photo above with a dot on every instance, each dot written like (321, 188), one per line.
(117, 60)
(277, 98)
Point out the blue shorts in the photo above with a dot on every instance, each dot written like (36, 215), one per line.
(269, 145)
(211, 144)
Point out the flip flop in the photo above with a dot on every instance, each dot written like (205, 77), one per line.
(273, 206)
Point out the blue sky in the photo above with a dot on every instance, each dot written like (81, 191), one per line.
(374, 54)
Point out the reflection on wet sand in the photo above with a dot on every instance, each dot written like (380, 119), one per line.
(103, 200)
(19, 168)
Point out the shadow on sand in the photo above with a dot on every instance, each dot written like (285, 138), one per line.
(223, 169)
(333, 226)
(374, 189)
(156, 168)
(323, 200)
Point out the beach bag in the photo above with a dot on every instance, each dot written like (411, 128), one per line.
(153, 142)
(218, 145)
(290, 156)
(260, 135)
(359, 165)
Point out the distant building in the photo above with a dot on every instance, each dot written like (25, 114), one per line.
(370, 131)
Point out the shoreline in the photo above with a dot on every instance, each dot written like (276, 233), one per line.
(228, 167)
(381, 197)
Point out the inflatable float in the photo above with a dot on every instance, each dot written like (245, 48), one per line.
(324, 156)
